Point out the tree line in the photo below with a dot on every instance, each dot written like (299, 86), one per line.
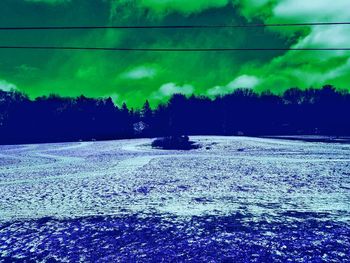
(54, 119)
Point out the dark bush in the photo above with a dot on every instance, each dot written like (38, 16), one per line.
(174, 143)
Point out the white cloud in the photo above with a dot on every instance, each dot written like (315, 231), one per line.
(142, 72)
(243, 81)
(304, 68)
(318, 37)
(327, 37)
(169, 89)
(6, 86)
(217, 90)
(318, 11)
(313, 10)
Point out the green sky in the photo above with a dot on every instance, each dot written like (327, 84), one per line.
(135, 76)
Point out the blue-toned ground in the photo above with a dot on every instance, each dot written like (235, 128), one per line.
(236, 199)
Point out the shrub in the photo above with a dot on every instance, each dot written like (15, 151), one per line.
(174, 143)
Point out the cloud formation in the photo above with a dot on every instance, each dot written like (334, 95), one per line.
(137, 76)
(6, 86)
(169, 89)
(141, 72)
(241, 82)
(301, 68)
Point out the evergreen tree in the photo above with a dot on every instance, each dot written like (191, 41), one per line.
(147, 113)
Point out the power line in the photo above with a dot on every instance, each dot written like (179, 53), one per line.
(171, 49)
(177, 26)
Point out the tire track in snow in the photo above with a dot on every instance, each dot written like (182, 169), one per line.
(35, 153)
(119, 167)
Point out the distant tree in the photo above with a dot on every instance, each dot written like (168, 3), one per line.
(146, 112)
(53, 118)
(125, 109)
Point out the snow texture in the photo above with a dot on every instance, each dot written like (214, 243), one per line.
(236, 199)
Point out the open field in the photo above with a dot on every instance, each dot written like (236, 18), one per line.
(235, 199)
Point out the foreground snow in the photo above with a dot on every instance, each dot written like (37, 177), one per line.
(70, 193)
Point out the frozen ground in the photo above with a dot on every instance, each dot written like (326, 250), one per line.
(236, 199)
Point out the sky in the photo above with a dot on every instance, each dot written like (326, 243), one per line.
(133, 77)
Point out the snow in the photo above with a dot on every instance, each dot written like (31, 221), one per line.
(93, 178)
(259, 181)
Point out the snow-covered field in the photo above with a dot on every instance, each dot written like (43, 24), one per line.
(236, 199)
